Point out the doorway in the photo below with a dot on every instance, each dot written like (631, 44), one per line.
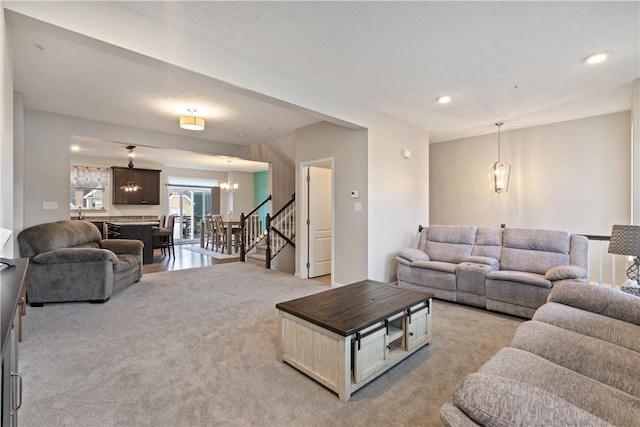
(189, 205)
(316, 255)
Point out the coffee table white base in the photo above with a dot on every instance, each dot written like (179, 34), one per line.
(326, 356)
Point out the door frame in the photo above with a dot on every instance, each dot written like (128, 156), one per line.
(304, 215)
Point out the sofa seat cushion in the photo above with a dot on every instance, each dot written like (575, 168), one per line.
(126, 262)
(445, 267)
(520, 276)
(491, 400)
(610, 404)
(584, 322)
(606, 363)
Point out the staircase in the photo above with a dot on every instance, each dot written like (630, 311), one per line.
(261, 245)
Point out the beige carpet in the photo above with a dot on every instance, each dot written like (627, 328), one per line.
(198, 348)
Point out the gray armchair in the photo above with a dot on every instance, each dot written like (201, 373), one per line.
(69, 261)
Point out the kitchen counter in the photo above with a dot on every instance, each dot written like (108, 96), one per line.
(136, 230)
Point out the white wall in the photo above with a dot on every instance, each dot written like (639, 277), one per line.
(570, 176)
(398, 195)
(348, 147)
(6, 142)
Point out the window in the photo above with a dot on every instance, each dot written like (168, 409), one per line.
(88, 185)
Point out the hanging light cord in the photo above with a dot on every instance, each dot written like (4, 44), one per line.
(499, 124)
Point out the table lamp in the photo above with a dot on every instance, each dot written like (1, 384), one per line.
(625, 240)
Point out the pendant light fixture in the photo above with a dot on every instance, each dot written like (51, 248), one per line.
(192, 122)
(228, 186)
(130, 185)
(499, 171)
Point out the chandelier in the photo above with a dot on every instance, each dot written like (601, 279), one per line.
(228, 186)
(499, 171)
(130, 185)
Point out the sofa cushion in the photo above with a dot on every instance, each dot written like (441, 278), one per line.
(533, 250)
(449, 243)
(598, 299)
(488, 243)
(490, 400)
(521, 277)
(485, 260)
(55, 235)
(445, 267)
(413, 255)
(607, 403)
(564, 272)
(74, 256)
(584, 322)
(602, 361)
(126, 262)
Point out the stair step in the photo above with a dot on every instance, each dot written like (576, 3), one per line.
(256, 258)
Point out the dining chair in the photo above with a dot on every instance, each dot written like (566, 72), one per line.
(220, 233)
(209, 231)
(163, 237)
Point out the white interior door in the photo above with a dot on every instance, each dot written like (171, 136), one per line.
(320, 225)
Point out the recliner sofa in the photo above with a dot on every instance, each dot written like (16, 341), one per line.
(510, 270)
(69, 261)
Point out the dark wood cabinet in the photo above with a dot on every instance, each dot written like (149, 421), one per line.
(148, 179)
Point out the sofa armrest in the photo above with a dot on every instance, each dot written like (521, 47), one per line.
(487, 260)
(492, 400)
(597, 299)
(564, 272)
(74, 255)
(122, 246)
(412, 255)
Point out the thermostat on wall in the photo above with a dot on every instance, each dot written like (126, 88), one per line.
(354, 194)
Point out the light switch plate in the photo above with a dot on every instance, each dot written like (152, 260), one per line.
(49, 205)
(357, 206)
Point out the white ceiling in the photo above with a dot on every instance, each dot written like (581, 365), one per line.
(517, 62)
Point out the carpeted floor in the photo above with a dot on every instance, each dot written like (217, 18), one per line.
(199, 348)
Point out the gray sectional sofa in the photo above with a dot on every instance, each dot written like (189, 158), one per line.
(510, 270)
(69, 261)
(576, 363)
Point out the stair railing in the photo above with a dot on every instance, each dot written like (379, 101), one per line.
(281, 230)
(252, 229)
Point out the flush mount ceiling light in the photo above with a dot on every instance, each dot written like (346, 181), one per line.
(596, 58)
(444, 99)
(192, 122)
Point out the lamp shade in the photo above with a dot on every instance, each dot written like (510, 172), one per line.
(192, 123)
(625, 240)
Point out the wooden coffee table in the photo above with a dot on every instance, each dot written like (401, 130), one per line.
(345, 337)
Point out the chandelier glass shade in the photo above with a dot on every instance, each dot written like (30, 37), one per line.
(499, 172)
(192, 122)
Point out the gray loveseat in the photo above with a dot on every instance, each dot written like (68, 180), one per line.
(510, 270)
(576, 363)
(69, 261)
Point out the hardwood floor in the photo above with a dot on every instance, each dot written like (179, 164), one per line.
(184, 259)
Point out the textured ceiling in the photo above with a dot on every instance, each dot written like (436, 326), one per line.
(517, 62)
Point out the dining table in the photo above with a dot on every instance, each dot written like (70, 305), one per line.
(229, 225)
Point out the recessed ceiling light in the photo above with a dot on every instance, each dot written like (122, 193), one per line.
(444, 99)
(75, 148)
(596, 58)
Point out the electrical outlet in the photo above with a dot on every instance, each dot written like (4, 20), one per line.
(49, 205)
